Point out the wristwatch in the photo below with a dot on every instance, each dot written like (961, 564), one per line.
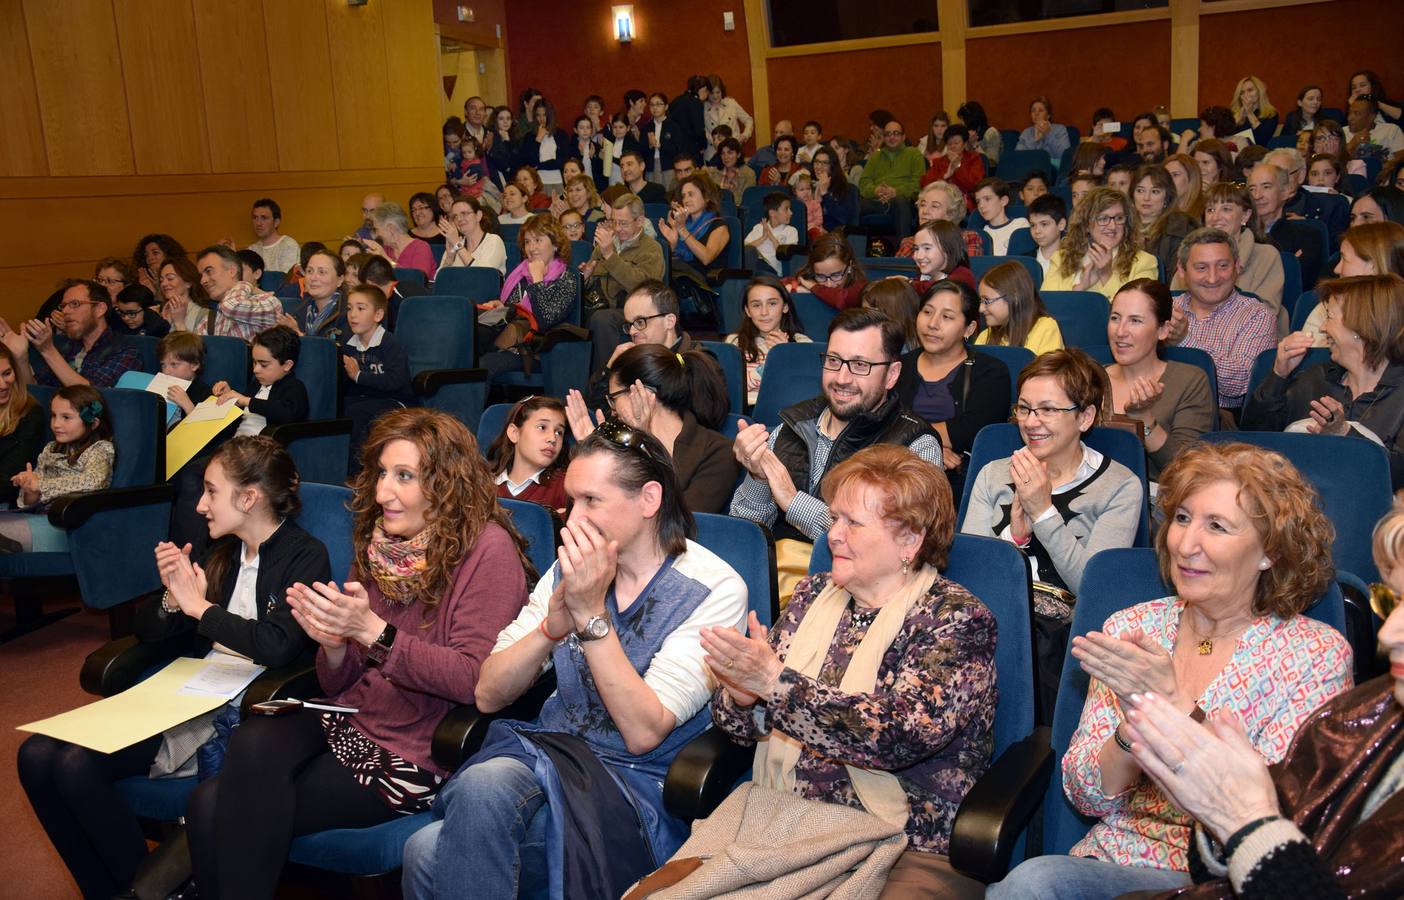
(1146, 429)
(594, 629)
(379, 651)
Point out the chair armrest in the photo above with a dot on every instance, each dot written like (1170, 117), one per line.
(297, 679)
(785, 251)
(998, 808)
(295, 431)
(428, 383)
(71, 510)
(724, 274)
(116, 665)
(460, 732)
(702, 774)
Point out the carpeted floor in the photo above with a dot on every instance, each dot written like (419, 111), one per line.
(38, 678)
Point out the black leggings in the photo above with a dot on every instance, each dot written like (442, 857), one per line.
(279, 780)
(72, 790)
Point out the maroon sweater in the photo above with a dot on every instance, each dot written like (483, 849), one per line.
(430, 669)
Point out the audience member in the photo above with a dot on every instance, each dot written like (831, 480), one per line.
(529, 457)
(992, 197)
(1214, 160)
(1213, 316)
(857, 407)
(1048, 219)
(1189, 188)
(943, 200)
(897, 298)
(1304, 117)
(623, 258)
(1162, 225)
(811, 134)
(1368, 136)
(721, 109)
(181, 354)
(133, 313)
(837, 197)
(939, 253)
(891, 179)
(1356, 393)
(1044, 134)
(730, 170)
(650, 316)
(544, 146)
(21, 425)
(241, 309)
(1375, 248)
(686, 130)
(275, 396)
(468, 238)
(113, 274)
(1099, 252)
(150, 254)
(1252, 110)
(1269, 188)
(1231, 643)
(1014, 313)
(632, 168)
(1228, 208)
(323, 310)
(395, 243)
(780, 171)
(615, 620)
(768, 319)
(832, 273)
(536, 296)
(250, 494)
(984, 137)
(1306, 204)
(944, 381)
(957, 164)
(278, 251)
(1035, 186)
(766, 156)
(87, 353)
(928, 650)
(184, 301)
(1378, 204)
(694, 230)
(376, 365)
(1153, 145)
(1170, 401)
(766, 237)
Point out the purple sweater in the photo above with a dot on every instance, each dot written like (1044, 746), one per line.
(430, 669)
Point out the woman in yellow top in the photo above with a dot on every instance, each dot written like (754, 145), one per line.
(1099, 252)
(1014, 313)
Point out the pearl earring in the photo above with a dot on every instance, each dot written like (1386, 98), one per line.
(1265, 565)
(906, 564)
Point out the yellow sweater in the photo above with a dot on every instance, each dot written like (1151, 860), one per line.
(1143, 266)
(1043, 336)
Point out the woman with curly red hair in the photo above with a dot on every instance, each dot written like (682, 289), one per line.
(1247, 549)
(438, 572)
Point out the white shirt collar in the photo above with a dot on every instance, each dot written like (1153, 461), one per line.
(516, 487)
(376, 337)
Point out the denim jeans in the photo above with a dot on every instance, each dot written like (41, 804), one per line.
(1081, 878)
(488, 837)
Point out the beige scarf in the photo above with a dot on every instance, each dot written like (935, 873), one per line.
(880, 792)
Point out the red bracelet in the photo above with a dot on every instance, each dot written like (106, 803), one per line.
(549, 636)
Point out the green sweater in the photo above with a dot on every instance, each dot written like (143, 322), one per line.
(901, 169)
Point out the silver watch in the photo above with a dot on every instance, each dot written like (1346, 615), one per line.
(594, 629)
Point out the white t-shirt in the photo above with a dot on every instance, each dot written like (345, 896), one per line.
(676, 674)
(279, 256)
(787, 234)
(999, 236)
(548, 152)
(244, 601)
(491, 253)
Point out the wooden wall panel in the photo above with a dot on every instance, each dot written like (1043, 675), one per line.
(359, 85)
(304, 115)
(851, 89)
(161, 72)
(77, 71)
(412, 50)
(238, 96)
(22, 138)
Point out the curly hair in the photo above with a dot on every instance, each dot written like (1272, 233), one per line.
(170, 248)
(1079, 236)
(912, 494)
(1283, 508)
(460, 491)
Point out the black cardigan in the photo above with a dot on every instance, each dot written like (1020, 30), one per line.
(289, 556)
(986, 403)
(20, 447)
(287, 401)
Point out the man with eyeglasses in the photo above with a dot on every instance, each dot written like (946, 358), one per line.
(891, 179)
(624, 258)
(858, 407)
(368, 204)
(1214, 317)
(1333, 210)
(650, 316)
(88, 352)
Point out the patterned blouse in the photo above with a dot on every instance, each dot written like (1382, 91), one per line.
(92, 471)
(930, 720)
(1280, 673)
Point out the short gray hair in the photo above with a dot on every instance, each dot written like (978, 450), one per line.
(391, 213)
(633, 202)
(954, 198)
(1295, 161)
(1206, 236)
(1278, 173)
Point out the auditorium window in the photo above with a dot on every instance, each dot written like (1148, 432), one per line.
(821, 21)
(1005, 12)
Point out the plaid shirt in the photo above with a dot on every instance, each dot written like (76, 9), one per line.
(102, 365)
(807, 513)
(974, 246)
(245, 311)
(1234, 333)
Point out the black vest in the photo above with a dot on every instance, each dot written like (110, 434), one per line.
(889, 424)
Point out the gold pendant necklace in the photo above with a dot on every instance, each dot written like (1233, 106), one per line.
(1206, 647)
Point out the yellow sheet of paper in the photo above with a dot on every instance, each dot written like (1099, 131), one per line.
(190, 437)
(136, 714)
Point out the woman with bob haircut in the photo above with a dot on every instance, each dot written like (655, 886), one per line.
(1247, 549)
(1372, 248)
(1014, 313)
(536, 296)
(1100, 252)
(438, 571)
(1360, 391)
(876, 688)
(1215, 161)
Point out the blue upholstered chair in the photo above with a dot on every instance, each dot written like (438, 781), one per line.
(750, 550)
(792, 374)
(1082, 316)
(814, 315)
(437, 333)
(733, 368)
(1262, 366)
(1014, 358)
(478, 283)
(1002, 439)
(411, 276)
(226, 359)
(980, 265)
(320, 446)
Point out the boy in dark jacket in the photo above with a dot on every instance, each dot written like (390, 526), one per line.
(376, 366)
(132, 313)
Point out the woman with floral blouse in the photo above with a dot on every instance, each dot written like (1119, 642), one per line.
(885, 645)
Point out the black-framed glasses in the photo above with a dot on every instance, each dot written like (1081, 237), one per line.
(833, 277)
(131, 313)
(609, 397)
(641, 322)
(858, 367)
(1044, 413)
(1383, 600)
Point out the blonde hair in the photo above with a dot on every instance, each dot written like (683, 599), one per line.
(1387, 543)
(20, 402)
(1265, 107)
(1079, 236)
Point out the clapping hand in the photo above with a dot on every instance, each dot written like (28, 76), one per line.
(1130, 664)
(352, 366)
(1033, 489)
(40, 334)
(1096, 265)
(752, 442)
(184, 580)
(1210, 771)
(1144, 392)
(745, 664)
(27, 481)
(643, 401)
(14, 341)
(342, 613)
(448, 230)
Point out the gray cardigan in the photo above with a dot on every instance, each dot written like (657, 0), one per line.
(1106, 514)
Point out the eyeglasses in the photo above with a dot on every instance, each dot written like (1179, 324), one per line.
(1383, 600)
(641, 322)
(130, 313)
(991, 301)
(609, 397)
(833, 277)
(75, 305)
(109, 281)
(893, 133)
(1044, 413)
(858, 367)
(1110, 220)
